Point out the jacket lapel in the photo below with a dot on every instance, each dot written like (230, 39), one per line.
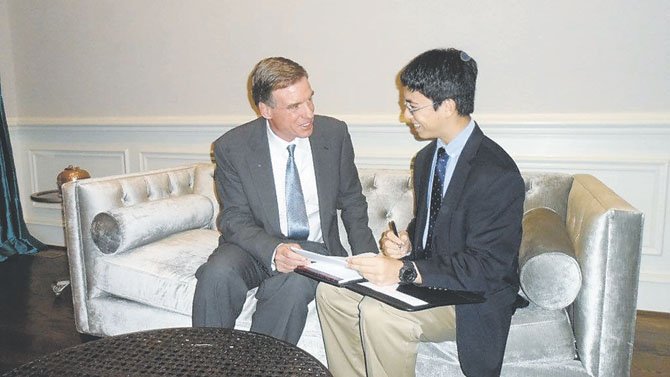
(260, 170)
(461, 172)
(456, 185)
(422, 166)
(324, 163)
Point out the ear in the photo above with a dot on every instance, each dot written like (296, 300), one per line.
(449, 107)
(265, 110)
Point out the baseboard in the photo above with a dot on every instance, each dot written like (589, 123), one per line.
(47, 234)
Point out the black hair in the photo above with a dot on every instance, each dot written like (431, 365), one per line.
(442, 74)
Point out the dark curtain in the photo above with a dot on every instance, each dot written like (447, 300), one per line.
(15, 237)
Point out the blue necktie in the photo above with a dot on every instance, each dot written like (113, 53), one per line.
(435, 199)
(296, 214)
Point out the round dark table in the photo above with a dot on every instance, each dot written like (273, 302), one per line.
(178, 352)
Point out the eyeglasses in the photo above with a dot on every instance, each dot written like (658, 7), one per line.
(412, 109)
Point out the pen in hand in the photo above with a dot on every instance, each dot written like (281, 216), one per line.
(393, 228)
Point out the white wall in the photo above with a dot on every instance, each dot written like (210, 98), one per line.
(110, 58)
(123, 86)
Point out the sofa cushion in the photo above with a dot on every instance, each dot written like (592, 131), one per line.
(125, 228)
(549, 274)
(536, 335)
(160, 274)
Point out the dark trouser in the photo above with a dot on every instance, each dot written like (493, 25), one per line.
(221, 290)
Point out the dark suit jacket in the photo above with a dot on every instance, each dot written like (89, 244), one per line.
(249, 216)
(475, 245)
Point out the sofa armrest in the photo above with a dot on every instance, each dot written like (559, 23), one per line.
(607, 234)
(73, 241)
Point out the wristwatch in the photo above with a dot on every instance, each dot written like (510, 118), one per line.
(407, 273)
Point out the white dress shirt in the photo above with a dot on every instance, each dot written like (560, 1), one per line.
(305, 164)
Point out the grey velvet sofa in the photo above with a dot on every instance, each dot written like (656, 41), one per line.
(134, 242)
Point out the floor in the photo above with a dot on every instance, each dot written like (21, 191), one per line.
(34, 322)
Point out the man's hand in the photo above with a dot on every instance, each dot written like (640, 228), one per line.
(286, 260)
(394, 246)
(378, 269)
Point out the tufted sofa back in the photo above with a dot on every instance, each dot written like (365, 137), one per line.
(390, 196)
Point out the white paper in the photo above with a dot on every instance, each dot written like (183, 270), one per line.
(337, 267)
(314, 257)
(331, 265)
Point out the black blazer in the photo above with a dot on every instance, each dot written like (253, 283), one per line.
(475, 245)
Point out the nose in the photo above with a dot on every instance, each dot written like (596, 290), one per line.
(407, 114)
(307, 109)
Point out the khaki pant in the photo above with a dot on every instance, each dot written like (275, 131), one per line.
(361, 333)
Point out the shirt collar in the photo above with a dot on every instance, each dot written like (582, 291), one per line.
(278, 142)
(455, 147)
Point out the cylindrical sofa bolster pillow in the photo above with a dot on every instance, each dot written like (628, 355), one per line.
(125, 228)
(548, 271)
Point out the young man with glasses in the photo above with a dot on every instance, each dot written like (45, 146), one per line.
(465, 236)
(281, 180)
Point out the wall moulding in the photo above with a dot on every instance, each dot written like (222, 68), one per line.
(642, 182)
(46, 163)
(165, 159)
(655, 277)
(550, 122)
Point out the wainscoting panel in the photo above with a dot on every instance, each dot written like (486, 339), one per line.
(629, 153)
(43, 162)
(162, 160)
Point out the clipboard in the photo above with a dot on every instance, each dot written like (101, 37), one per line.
(406, 297)
(431, 296)
(324, 276)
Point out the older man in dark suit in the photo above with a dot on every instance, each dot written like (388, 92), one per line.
(281, 180)
(465, 236)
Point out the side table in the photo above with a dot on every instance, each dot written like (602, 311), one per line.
(51, 196)
(178, 352)
(48, 196)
